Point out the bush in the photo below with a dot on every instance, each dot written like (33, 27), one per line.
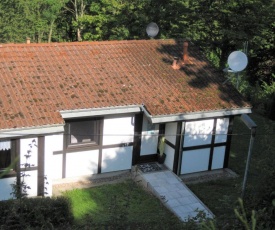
(35, 213)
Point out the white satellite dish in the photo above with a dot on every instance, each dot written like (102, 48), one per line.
(152, 29)
(237, 61)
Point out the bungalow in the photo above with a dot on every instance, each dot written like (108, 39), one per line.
(86, 108)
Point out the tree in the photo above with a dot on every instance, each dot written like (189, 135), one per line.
(117, 20)
(78, 9)
(41, 16)
(12, 23)
(51, 14)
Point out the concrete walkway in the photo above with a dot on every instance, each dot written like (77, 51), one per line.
(175, 195)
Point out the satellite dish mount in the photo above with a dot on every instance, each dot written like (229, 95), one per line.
(237, 62)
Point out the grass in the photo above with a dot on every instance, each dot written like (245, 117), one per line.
(124, 204)
(221, 195)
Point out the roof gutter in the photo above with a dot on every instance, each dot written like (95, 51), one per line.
(67, 114)
(193, 116)
(32, 131)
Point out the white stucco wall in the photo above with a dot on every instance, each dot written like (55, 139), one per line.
(26, 145)
(198, 132)
(195, 161)
(118, 130)
(115, 159)
(53, 163)
(171, 132)
(149, 139)
(56, 166)
(221, 130)
(5, 188)
(170, 154)
(81, 163)
(31, 180)
(29, 145)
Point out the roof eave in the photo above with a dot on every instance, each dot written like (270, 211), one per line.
(32, 131)
(196, 115)
(67, 114)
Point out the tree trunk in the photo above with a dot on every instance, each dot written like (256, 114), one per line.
(79, 35)
(50, 32)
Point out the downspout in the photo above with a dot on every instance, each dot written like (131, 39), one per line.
(147, 114)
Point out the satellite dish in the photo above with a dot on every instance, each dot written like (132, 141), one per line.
(152, 29)
(237, 61)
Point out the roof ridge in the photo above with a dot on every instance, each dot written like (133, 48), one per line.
(84, 42)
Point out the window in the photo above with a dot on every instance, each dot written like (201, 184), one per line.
(5, 154)
(84, 132)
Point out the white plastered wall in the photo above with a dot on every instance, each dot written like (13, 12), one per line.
(195, 160)
(82, 163)
(52, 163)
(149, 139)
(117, 130)
(116, 159)
(200, 133)
(221, 130)
(29, 146)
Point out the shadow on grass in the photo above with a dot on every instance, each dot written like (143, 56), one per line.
(120, 206)
(221, 195)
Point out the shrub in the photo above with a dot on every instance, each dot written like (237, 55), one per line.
(35, 213)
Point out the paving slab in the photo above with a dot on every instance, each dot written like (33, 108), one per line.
(174, 194)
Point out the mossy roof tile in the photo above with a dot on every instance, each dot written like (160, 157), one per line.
(37, 81)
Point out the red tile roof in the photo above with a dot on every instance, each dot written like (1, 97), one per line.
(39, 80)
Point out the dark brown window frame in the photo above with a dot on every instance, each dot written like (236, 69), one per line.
(83, 145)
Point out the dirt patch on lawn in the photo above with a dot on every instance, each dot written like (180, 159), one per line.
(88, 182)
(62, 185)
(201, 177)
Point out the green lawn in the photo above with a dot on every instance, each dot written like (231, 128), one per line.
(120, 205)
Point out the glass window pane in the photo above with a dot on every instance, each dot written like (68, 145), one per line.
(83, 132)
(5, 158)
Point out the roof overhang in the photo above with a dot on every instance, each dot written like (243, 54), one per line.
(67, 114)
(70, 114)
(195, 116)
(32, 131)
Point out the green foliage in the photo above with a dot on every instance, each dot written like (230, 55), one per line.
(260, 184)
(41, 213)
(12, 23)
(8, 169)
(116, 20)
(40, 16)
(242, 216)
(161, 145)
